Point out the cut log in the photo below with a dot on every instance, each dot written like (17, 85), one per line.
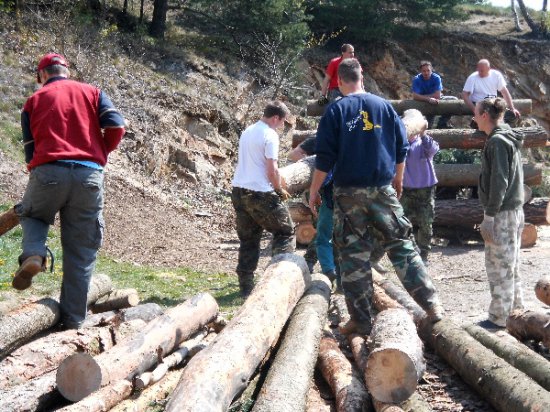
(382, 301)
(396, 361)
(305, 233)
(448, 107)
(542, 290)
(38, 394)
(300, 136)
(469, 212)
(100, 285)
(117, 299)
(20, 325)
(527, 191)
(81, 374)
(344, 380)
(289, 376)
(529, 236)
(300, 212)
(8, 220)
(515, 353)
(146, 312)
(529, 324)
(296, 177)
(216, 375)
(474, 139)
(103, 399)
(45, 354)
(460, 175)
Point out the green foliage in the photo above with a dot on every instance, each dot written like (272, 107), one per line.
(10, 139)
(451, 156)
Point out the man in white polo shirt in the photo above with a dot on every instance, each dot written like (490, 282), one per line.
(258, 196)
(486, 83)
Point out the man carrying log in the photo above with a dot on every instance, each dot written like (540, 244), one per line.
(363, 139)
(501, 194)
(329, 89)
(69, 129)
(258, 196)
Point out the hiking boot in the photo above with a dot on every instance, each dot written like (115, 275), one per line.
(246, 284)
(354, 326)
(30, 267)
(435, 313)
(378, 267)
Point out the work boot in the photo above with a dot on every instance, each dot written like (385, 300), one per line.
(27, 270)
(246, 284)
(435, 313)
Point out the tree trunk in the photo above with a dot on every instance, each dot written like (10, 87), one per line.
(457, 175)
(534, 26)
(475, 139)
(103, 399)
(445, 107)
(344, 380)
(528, 324)
(20, 325)
(542, 290)
(158, 24)
(141, 14)
(296, 177)
(117, 299)
(300, 212)
(8, 220)
(527, 191)
(299, 136)
(146, 312)
(38, 394)
(45, 354)
(80, 374)
(469, 212)
(529, 236)
(214, 377)
(517, 26)
(515, 353)
(289, 376)
(305, 233)
(396, 361)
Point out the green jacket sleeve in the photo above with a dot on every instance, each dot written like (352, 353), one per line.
(499, 158)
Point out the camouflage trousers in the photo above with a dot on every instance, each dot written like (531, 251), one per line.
(502, 261)
(419, 207)
(359, 212)
(256, 212)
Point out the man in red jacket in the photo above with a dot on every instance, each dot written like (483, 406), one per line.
(69, 128)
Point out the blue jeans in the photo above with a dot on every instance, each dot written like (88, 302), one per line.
(323, 239)
(76, 192)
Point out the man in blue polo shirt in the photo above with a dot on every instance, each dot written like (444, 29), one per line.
(427, 87)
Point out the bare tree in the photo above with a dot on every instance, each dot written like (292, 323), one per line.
(538, 29)
(158, 24)
(515, 14)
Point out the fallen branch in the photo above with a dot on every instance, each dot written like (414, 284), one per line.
(116, 299)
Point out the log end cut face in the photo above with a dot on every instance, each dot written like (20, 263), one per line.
(391, 376)
(78, 376)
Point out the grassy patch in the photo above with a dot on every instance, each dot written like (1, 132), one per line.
(485, 9)
(10, 140)
(165, 286)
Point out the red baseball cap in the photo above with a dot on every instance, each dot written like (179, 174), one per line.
(51, 59)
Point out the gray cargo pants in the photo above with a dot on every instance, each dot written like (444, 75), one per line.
(76, 192)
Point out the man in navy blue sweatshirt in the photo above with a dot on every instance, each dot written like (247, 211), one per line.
(364, 140)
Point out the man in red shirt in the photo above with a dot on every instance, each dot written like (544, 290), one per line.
(69, 129)
(330, 83)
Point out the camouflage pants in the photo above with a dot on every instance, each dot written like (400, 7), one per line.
(502, 260)
(419, 206)
(358, 212)
(256, 212)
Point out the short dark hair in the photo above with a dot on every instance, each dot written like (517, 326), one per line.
(56, 69)
(493, 106)
(349, 71)
(276, 108)
(425, 63)
(345, 47)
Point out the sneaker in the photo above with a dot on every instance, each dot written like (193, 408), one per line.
(435, 313)
(30, 267)
(354, 326)
(378, 267)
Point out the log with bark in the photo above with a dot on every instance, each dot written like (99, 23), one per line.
(515, 353)
(216, 375)
(289, 376)
(344, 380)
(396, 361)
(445, 107)
(296, 177)
(469, 212)
(81, 374)
(529, 235)
(100, 286)
(103, 399)
(146, 312)
(475, 139)
(529, 324)
(299, 212)
(527, 191)
(305, 233)
(461, 175)
(38, 394)
(300, 136)
(8, 220)
(45, 354)
(116, 299)
(542, 290)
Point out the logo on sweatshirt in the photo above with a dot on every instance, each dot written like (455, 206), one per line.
(367, 124)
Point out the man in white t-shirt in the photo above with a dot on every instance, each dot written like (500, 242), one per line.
(258, 196)
(486, 82)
